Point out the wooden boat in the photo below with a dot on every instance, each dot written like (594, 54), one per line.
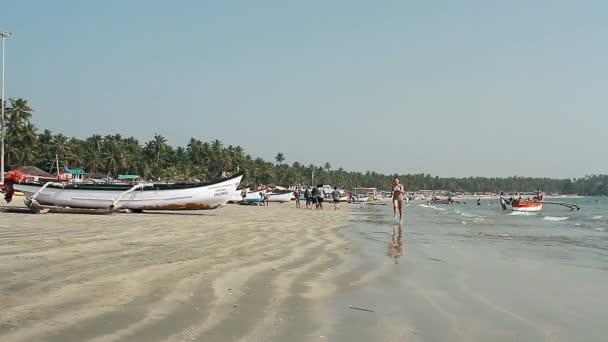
(524, 205)
(142, 196)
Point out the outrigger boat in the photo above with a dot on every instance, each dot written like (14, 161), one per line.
(523, 205)
(137, 197)
(536, 204)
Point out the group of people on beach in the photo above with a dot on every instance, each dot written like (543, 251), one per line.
(315, 196)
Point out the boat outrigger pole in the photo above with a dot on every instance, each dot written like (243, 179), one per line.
(572, 206)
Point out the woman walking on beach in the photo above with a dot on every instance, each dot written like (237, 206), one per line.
(398, 192)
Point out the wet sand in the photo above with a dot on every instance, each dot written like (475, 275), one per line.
(234, 274)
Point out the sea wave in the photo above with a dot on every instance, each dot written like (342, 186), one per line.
(555, 218)
(597, 217)
(430, 206)
(522, 213)
(600, 229)
(467, 215)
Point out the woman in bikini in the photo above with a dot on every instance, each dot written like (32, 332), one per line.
(398, 192)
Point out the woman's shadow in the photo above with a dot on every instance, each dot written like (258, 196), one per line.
(395, 246)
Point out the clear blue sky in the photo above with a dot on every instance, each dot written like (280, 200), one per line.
(452, 88)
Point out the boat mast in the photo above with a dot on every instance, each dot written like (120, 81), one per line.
(4, 34)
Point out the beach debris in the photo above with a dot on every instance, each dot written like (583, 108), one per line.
(362, 309)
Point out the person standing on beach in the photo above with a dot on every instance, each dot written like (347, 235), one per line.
(296, 194)
(336, 197)
(307, 197)
(314, 196)
(266, 197)
(320, 194)
(398, 191)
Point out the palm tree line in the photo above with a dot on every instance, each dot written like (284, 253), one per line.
(201, 160)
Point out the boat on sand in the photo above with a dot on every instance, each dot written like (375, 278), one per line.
(137, 197)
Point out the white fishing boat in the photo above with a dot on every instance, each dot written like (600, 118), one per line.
(142, 196)
(286, 197)
(255, 196)
(236, 196)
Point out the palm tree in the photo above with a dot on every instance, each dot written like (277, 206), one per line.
(280, 158)
(60, 145)
(19, 112)
(160, 144)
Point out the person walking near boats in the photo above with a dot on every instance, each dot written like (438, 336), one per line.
(296, 194)
(336, 198)
(308, 197)
(244, 194)
(398, 192)
(266, 197)
(320, 195)
(314, 195)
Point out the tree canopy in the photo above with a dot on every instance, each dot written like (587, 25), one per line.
(114, 154)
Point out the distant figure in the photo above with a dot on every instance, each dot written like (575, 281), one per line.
(314, 196)
(320, 195)
(308, 197)
(296, 194)
(479, 201)
(503, 201)
(244, 194)
(398, 191)
(539, 195)
(336, 197)
(266, 197)
(395, 246)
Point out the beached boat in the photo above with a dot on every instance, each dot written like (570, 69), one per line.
(142, 196)
(523, 205)
(286, 197)
(254, 196)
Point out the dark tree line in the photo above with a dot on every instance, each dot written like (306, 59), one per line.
(202, 160)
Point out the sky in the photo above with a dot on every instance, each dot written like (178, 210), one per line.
(450, 88)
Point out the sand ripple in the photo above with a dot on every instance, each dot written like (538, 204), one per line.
(231, 274)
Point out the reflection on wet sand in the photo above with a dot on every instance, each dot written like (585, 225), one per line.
(395, 246)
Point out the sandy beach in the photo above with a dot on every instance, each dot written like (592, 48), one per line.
(225, 275)
(277, 273)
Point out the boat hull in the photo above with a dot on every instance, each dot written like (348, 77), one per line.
(527, 206)
(282, 198)
(156, 197)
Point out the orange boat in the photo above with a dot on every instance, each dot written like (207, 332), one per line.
(523, 205)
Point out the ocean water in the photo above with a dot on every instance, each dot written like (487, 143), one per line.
(464, 272)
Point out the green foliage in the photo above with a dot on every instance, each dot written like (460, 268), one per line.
(200, 160)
